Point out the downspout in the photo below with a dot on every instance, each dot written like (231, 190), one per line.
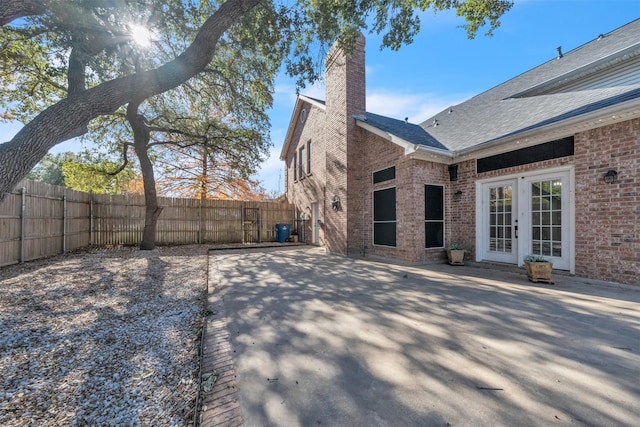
(364, 242)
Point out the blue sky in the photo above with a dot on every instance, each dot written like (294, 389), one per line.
(442, 67)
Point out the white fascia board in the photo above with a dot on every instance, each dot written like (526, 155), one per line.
(614, 114)
(313, 102)
(294, 119)
(414, 151)
(433, 154)
(292, 124)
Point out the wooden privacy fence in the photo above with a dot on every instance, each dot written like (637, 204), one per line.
(39, 220)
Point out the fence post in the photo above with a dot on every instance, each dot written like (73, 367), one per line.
(200, 222)
(259, 224)
(64, 224)
(91, 221)
(242, 219)
(23, 221)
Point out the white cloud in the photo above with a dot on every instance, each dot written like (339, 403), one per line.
(416, 106)
(271, 171)
(273, 162)
(316, 91)
(286, 92)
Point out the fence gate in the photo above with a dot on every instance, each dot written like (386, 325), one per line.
(251, 225)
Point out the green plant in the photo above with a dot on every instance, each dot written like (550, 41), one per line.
(535, 258)
(455, 247)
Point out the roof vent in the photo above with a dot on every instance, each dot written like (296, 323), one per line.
(450, 110)
(406, 120)
(600, 36)
(559, 49)
(435, 122)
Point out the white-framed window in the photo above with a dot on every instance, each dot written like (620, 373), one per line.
(384, 217)
(302, 162)
(308, 157)
(433, 216)
(295, 167)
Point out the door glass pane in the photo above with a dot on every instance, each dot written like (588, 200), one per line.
(546, 214)
(500, 203)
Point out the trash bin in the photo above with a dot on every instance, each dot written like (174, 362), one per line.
(282, 232)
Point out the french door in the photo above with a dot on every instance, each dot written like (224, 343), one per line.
(525, 215)
(500, 221)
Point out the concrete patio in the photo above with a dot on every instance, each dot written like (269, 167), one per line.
(296, 337)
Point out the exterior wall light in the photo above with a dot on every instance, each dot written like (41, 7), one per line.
(335, 203)
(611, 176)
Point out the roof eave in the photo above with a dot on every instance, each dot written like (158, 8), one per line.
(421, 152)
(414, 151)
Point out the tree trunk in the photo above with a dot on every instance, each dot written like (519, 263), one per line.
(71, 115)
(141, 137)
(204, 182)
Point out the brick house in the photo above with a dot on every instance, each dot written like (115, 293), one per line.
(545, 163)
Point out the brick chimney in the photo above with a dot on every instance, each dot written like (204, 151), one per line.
(345, 97)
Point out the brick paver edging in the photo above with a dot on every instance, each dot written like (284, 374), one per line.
(219, 394)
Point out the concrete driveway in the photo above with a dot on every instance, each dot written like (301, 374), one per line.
(305, 339)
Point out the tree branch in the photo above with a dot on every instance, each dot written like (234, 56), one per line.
(54, 124)
(10, 10)
(125, 160)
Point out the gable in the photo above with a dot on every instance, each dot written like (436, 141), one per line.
(301, 112)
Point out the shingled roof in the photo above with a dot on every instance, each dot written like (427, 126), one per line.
(544, 95)
(407, 131)
(548, 94)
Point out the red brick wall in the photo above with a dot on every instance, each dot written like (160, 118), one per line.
(608, 215)
(345, 97)
(380, 154)
(344, 157)
(310, 189)
(411, 207)
(461, 208)
(336, 153)
(411, 177)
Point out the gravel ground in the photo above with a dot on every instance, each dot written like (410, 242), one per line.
(105, 337)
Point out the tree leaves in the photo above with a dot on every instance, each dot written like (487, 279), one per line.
(96, 178)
